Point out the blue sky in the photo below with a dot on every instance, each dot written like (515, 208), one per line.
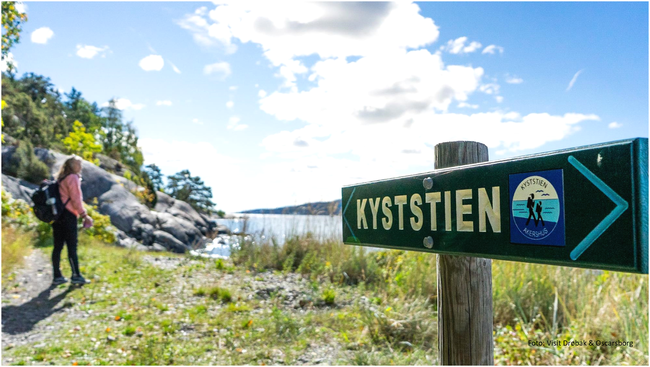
(277, 105)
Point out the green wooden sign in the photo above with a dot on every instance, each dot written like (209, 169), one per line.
(585, 207)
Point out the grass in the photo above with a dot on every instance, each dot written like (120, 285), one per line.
(372, 308)
(16, 245)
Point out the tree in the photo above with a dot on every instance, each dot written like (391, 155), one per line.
(120, 140)
(192, 190)
(155, 175)
(79, 109)
(12, 21)
(33, 110)
(112, 130)
(81, 143)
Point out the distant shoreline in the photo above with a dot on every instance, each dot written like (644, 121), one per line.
(316, 208)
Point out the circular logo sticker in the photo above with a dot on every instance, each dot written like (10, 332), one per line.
(535, 208)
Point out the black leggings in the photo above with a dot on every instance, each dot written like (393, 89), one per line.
(65, 231)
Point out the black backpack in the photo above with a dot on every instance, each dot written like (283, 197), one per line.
(47, 201)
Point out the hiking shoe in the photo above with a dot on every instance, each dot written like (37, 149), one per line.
(78, 279)
(59, 280)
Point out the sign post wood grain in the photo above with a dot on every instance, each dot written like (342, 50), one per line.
(464, 284)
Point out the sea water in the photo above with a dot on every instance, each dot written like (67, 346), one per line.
(265, 227)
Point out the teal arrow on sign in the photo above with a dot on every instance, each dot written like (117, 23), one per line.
(621, 206)
(546, 208)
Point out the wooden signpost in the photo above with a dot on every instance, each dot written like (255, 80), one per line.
(584, 207)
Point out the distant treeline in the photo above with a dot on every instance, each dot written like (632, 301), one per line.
(319, 208)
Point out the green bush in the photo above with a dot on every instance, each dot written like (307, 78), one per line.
(219, 264)
(217, 293)
(102, 228)
(25, 165)
(328, 296)
(129, 331)
(200, 292)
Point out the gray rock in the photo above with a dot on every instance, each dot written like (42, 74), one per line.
(157, 247)
(176, 227)
(169, 242)
(221, 229)
(132, 243)
(19, 189)
(182, 229)
(181, 209)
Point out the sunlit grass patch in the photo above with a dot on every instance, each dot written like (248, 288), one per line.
(16, 245)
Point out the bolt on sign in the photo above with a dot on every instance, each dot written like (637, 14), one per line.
(584, 207)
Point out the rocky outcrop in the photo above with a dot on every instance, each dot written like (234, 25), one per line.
(19, 189)
(173, 225)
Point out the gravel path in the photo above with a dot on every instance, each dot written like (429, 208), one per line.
(33, 310)
(30, 305)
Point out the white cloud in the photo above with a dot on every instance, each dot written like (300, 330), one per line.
(230, 104)
(196, 121)
(514, 80)
(573, 80)
(152, 63)
(125, 104)
(384, 110)
(21, 7)
(42, 35)
(329, 30)
(490, 88)
(491, 49)
(467, 105)
(457, 46)
(499, 99)
(89, 52)
(232, 87)
(174, 67)
(233, 124)
(222, 68)
(614, 125)
(164, 103)
(206, 34)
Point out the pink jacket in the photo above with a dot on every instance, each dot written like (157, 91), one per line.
(70, 188)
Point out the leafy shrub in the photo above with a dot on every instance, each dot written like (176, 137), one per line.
(82, 143)
(17, 213)
(26, 165)
(328, 296)
(102, 228)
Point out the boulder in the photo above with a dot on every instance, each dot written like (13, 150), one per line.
(181, 209)
(19, 189)
(180, 228)
(169, 242)
(176, 227)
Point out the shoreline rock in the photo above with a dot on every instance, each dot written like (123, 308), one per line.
(173, 224)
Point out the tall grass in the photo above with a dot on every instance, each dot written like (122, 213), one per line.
(530, 301)
(16, 244)
(559, 302)
(397, 273)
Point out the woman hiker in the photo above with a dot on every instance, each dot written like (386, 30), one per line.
(65, 227)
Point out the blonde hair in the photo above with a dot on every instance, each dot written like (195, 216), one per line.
(66, 167)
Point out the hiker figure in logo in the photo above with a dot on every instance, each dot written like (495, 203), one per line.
(538, 209)
(531, 207)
